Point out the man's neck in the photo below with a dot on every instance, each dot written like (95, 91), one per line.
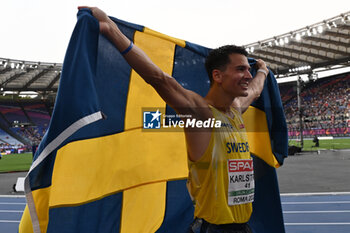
(219, 100)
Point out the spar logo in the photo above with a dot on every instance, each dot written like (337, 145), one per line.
(240, 165)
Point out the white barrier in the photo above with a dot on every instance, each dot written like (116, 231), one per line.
(326, 138)
(20, 184)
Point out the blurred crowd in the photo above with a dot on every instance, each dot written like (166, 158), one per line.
(325, 104)
(33, 133)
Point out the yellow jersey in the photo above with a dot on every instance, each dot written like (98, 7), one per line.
(221, 182)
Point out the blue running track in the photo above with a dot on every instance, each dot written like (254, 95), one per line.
(302, 213)
(11, 209)
(316, 213)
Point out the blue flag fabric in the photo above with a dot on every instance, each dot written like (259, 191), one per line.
(267, 212)
(97, 171)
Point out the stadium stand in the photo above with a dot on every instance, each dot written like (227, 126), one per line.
(325, 109)
(23, 122)
(325, 106)
(6, 140)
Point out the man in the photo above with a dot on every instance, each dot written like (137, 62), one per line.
(222, 193)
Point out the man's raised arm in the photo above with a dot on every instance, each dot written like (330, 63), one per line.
(166, 86)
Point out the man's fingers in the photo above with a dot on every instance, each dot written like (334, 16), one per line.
(81, 7)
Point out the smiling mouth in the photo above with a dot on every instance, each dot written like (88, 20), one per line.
(244, 85)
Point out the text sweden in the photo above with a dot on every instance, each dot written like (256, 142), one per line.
(234, 147)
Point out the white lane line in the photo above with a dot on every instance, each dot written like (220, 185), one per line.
(316, 211)
(11, 211)
(12, 196)
(12, 203)
(316, 223)
(314, 202)
(315, 194)
(9, 221)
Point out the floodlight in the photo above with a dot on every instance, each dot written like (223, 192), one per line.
(320, 29)
(281, 42)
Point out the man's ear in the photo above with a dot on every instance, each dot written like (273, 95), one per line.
(217, 77)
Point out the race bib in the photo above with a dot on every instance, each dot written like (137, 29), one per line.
(240, 181)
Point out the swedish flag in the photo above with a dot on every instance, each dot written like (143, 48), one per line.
(96, 170)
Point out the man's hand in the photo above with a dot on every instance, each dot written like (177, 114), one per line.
(261, 65)
(105, 22)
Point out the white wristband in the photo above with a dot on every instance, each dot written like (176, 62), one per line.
(262, 71)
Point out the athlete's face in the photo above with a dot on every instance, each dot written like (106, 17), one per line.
(236, 77)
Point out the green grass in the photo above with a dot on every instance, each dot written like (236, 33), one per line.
(15, 162)
(324, 144)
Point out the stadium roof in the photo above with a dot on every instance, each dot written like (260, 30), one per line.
(321, 45)
(19, 76)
